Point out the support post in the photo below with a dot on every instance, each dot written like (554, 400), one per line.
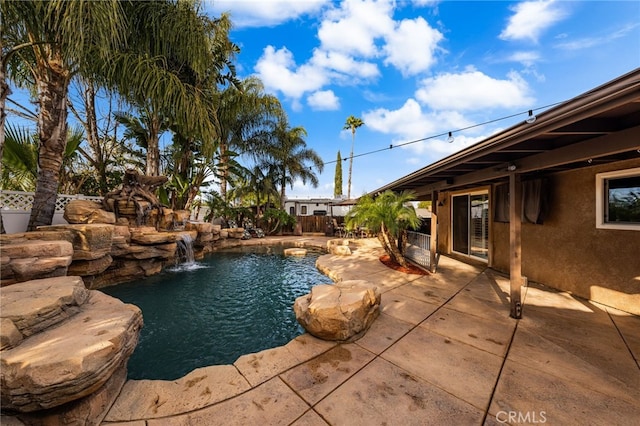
(515, 244)
(433, 241)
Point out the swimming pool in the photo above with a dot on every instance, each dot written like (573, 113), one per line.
(232, 303)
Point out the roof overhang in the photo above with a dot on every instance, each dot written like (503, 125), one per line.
(599, 126)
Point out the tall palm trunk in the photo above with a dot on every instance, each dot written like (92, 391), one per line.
(153, 148)
(283, 189)
(52, 86)
(224, 170)
(353, 141)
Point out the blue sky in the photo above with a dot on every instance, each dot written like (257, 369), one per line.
(418, 69)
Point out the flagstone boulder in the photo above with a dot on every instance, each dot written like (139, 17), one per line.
(124, 270)
(36, 305)
(85, 268)
(24, 260)
(295, 251)
(339, 247)
(207, 232)
(85, 211)
(339, 312)
(180, 218)
(61, 344)
(235, 233)
(90, 241)
(163, 218)
(148, 235)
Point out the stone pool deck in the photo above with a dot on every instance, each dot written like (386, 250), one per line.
(443, 351)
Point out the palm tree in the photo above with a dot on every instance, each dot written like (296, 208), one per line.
(20, 159)
(389, 215)
(181, 68)
(245, 118)
(52, 41)
(289, 156)
(130, 47)
(145, 130)
(352, 124)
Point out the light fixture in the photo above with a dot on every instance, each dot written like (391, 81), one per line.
(450, 138)
(532, 118)
(512, 167)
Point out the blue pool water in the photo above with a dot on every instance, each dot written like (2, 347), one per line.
(213, 311)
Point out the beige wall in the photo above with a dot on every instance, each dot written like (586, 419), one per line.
(568, 252)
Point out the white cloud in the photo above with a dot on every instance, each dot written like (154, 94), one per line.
(324, 100)
(344, 64)
(425, 2)
(410, 122)
(412, 46)
(531, 18)
(473, 90)
(263, 13)
(526, 58)
(277, 70)
(590, 42)
(353, 27)
(353, 36)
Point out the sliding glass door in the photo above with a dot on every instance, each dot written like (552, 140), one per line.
(470, 221)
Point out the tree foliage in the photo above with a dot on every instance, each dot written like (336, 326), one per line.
(290, 159)
(389, 216)
(132, 48)
(337, 181)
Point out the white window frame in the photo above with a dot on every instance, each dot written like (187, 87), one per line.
(601, 199)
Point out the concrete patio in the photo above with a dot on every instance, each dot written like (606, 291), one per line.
(443, 351)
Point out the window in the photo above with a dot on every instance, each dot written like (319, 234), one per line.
(618, 200)
(304, 210)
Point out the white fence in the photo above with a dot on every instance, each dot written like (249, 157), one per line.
(15, 207)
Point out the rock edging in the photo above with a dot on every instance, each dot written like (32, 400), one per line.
(339, 312)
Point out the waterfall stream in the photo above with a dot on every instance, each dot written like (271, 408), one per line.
(184, 252)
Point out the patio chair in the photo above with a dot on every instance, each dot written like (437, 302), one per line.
(350, 233)
(363, 232)
(338, 230)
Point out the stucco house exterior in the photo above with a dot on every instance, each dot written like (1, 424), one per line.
(569, 172)
(316, 206)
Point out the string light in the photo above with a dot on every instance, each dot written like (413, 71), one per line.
(450, 139)
(531, 119)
